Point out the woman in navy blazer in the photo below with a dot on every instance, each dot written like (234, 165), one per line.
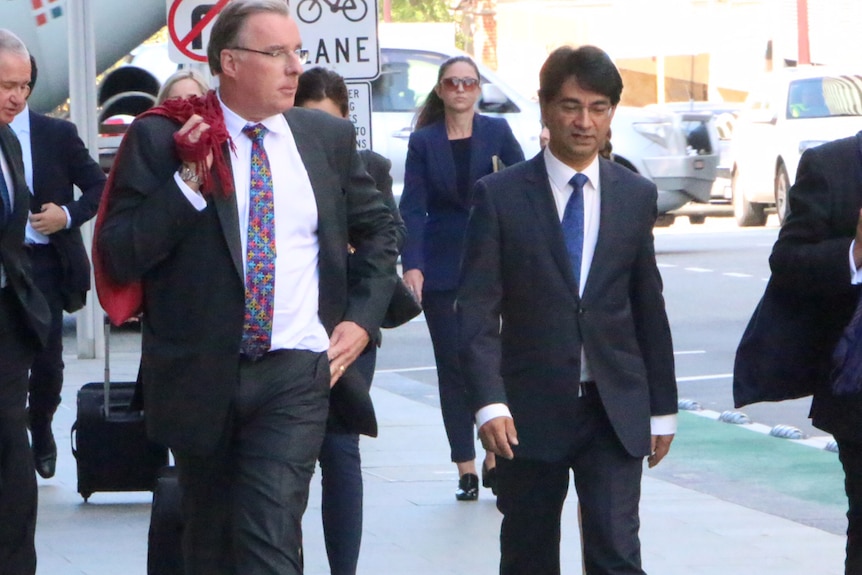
(451, 148)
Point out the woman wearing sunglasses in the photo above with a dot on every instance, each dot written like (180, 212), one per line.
(451, 147)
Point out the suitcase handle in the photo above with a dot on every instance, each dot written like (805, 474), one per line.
(73, 439)
(107, 405)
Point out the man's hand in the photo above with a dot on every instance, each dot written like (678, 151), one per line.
(498, 435)
(51, 219)
(659, 446)
(192, 131)
(347, 342)
(414, 280)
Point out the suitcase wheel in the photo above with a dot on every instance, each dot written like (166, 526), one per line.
(86, 496)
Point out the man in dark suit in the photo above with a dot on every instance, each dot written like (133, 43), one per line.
(564, 336)
(24, 318)
(245, 409)
(55, 160)
(812, 294)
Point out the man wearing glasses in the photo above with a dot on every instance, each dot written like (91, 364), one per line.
(250, 310)
(24, 319)
(579, 375)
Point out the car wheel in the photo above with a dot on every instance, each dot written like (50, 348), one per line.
(746, 213)
(697, 219)
(782, 186)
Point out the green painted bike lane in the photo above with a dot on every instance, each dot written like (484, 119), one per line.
(773, 475)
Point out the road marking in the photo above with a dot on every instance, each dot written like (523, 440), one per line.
(690, 352)
(736, 275)
(662, 265)
(404, 369)
(699, 270)
(705, 377)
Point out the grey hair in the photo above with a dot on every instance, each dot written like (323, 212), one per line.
(230, 23)
(185, 74)
(12, 44)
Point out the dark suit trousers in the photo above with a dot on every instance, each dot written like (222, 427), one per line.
(850, 454)
(243, 504)
(18, 493)
(46, 372)
(439, 308)
(531, 493)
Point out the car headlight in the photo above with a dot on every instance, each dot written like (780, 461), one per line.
(805, 144)
(658, 132)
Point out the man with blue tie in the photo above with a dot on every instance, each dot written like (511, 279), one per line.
(565, 340)
(24, 319)
(251, 311)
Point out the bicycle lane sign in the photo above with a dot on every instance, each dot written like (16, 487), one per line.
(189, 26)
(340, 35)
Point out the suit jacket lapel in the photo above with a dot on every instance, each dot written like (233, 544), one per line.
(545, 208)
(612, 201)
(229, 217)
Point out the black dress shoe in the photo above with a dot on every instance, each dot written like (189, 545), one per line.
(44, 452)
(489, 478)
(468, 488)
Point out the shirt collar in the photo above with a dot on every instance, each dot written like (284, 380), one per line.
(235, 123)
(21, 123)
(560, 173)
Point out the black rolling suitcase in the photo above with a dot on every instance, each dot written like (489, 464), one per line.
(164, 541)
(109, 439)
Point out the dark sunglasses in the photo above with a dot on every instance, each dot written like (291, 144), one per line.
(469, 84)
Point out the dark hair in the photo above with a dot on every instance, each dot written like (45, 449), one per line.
(34, 71)
(433, 110)
(318, 84)
(590, 66)
(230, 23)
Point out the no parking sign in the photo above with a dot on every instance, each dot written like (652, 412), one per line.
(189, 26)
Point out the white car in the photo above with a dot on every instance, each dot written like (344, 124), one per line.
(678, 151)
(792, 110)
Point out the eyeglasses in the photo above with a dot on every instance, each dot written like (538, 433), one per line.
(452, 83)
(596, 111)
(281, 53)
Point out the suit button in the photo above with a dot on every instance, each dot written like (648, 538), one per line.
(581, 311)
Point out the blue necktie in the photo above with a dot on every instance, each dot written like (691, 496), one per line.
(573, 224)
(6, 207)
(260, 253)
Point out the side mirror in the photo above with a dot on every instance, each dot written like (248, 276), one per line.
(493, 99)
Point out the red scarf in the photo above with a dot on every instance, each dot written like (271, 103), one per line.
(123, 301)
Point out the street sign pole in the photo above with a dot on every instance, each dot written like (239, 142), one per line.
(82, 93)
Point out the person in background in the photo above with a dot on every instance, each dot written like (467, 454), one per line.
(340, 463)
(55, 162)
(182, 84)
(24, 324)
(451, 148)
(241, 348)
(564, 338)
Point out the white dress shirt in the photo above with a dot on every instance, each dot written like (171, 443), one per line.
(296, 322)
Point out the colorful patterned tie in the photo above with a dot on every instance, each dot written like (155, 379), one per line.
(573, 224)
(260, 253)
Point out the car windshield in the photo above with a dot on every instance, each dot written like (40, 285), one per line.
(825, 97)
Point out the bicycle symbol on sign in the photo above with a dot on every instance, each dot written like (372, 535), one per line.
(309, 11)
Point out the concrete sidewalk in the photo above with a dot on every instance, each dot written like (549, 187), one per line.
(413, 524)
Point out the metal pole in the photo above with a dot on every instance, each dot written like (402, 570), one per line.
(802, 32)
(82, 93)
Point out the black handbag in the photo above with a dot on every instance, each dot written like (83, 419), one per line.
(402, 307)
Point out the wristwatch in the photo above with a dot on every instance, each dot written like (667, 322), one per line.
(188, 174)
